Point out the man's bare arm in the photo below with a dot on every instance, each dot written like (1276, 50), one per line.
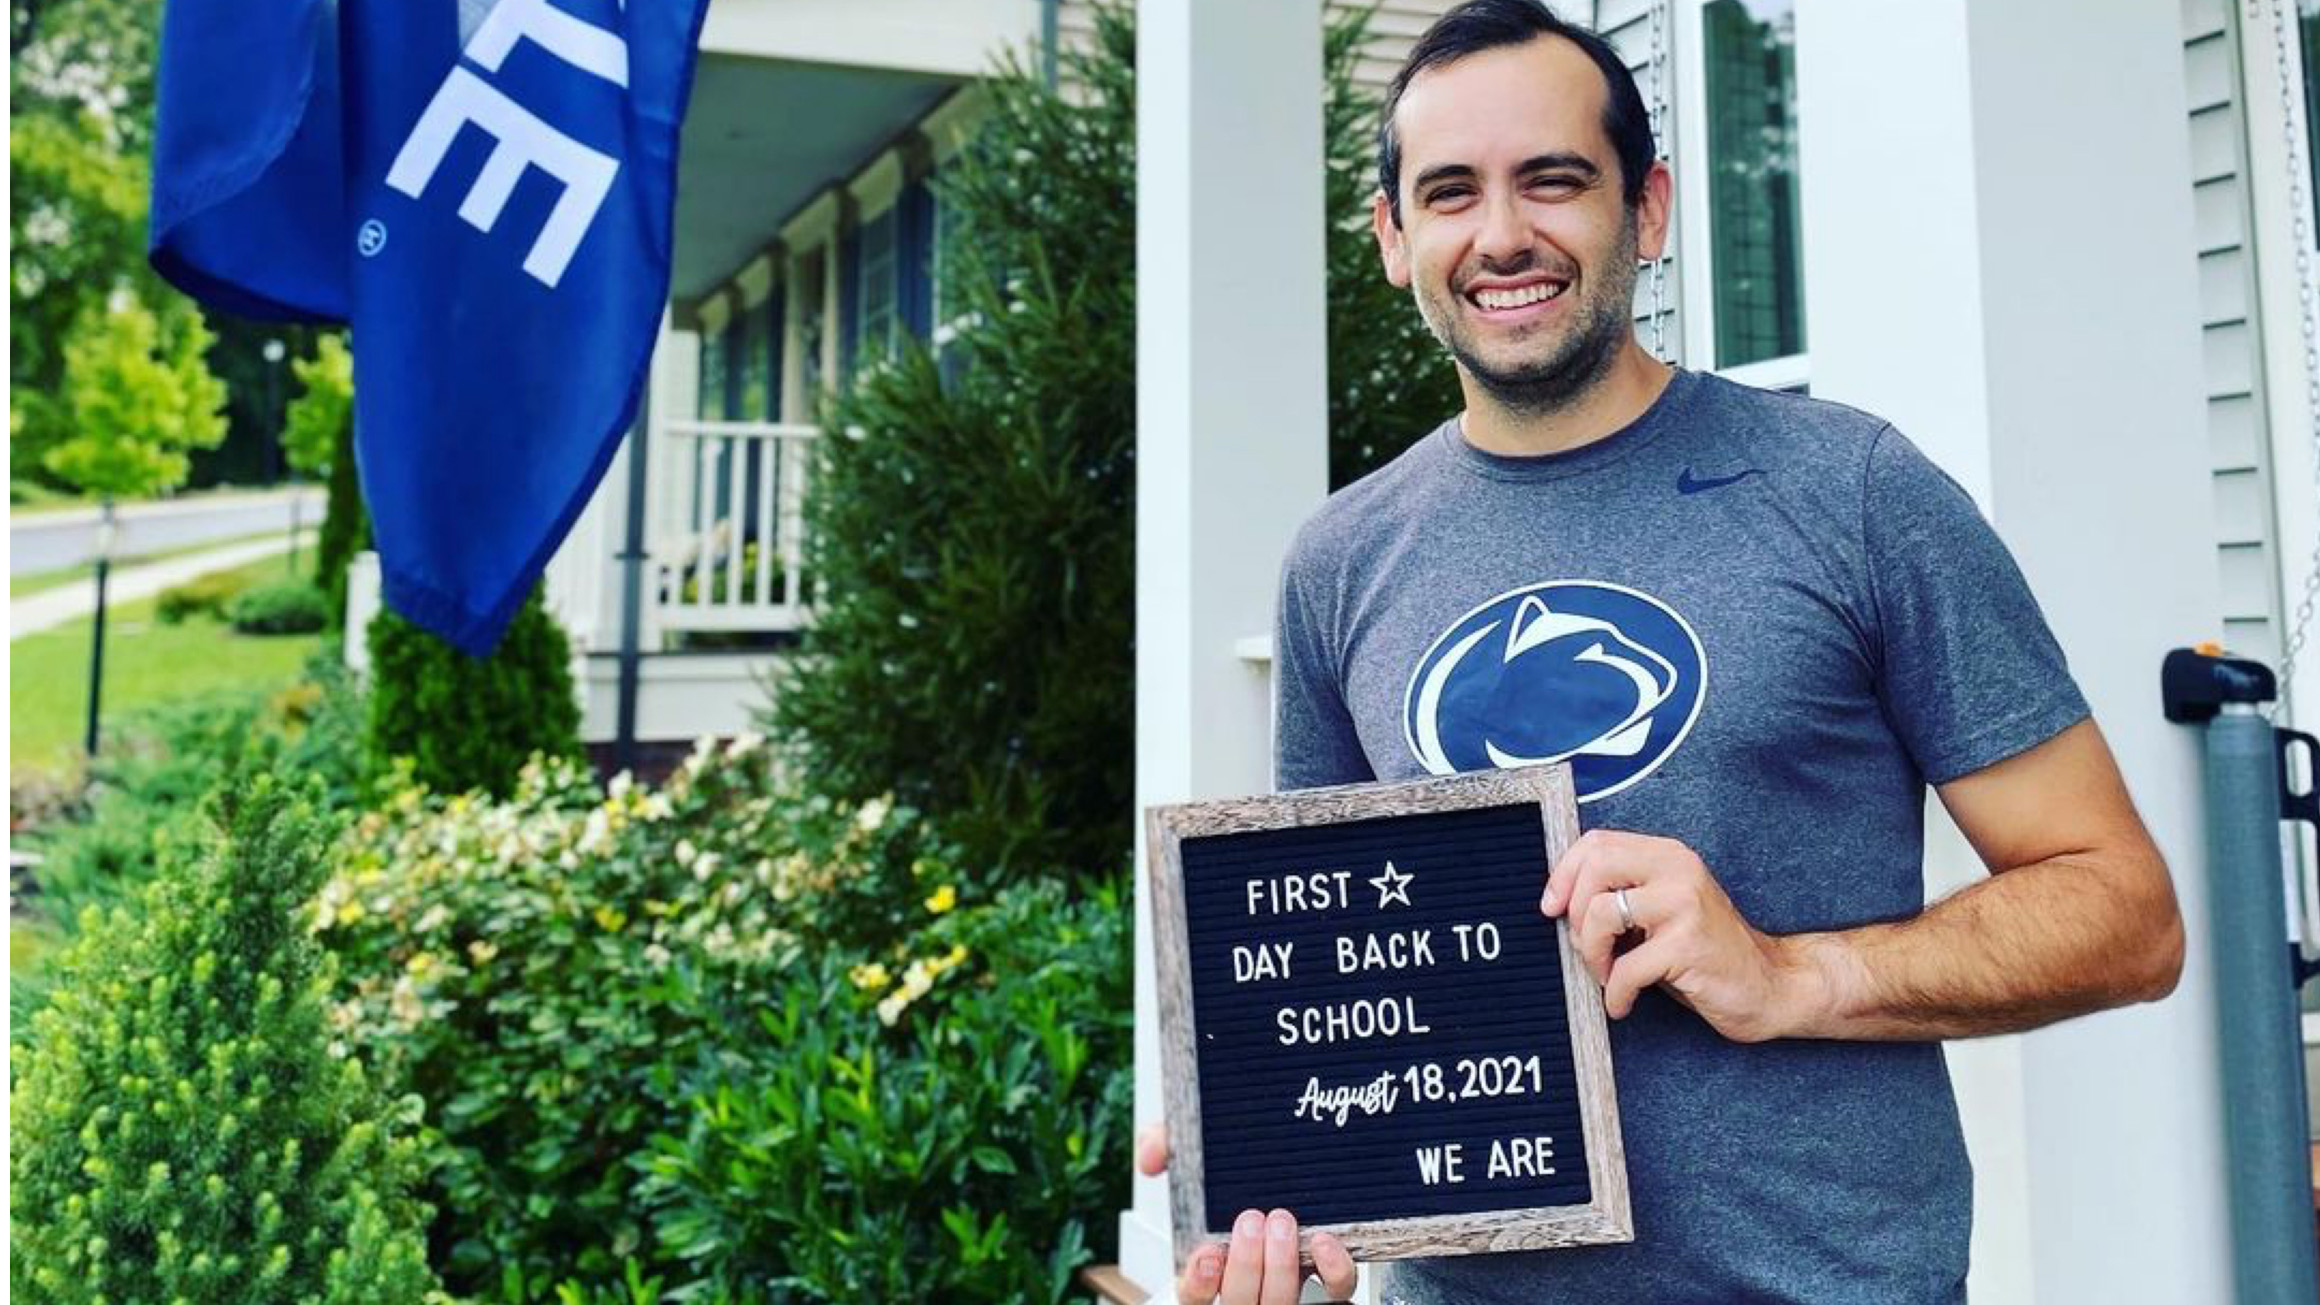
(2078, 915)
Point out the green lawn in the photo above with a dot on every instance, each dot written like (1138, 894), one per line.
(24, 586)
(146, 662)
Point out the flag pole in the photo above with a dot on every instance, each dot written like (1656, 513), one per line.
(632, 588)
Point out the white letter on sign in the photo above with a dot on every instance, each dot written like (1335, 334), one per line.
(591, 49)
(522, 140)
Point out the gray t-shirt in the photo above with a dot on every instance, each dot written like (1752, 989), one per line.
(1757, 623)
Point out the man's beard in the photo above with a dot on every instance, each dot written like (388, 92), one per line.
(1603, 322)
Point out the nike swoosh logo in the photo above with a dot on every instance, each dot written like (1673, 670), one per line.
(1685, 484)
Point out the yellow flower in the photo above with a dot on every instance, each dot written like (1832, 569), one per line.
(871, 977)
(943, 900)
(481, 951)
(609, 920)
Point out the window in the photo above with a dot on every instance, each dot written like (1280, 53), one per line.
(1741, 256)
(755, 366)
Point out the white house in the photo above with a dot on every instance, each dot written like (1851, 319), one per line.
(2059, 244)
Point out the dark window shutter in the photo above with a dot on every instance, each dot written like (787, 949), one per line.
(849, 299)
(776, 324)
(914, 262)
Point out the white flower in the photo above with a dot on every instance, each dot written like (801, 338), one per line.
(873, 814)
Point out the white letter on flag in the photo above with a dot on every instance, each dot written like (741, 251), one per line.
(522, 140)
(591, 49)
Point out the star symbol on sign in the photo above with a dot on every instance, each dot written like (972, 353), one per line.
(1393, 886)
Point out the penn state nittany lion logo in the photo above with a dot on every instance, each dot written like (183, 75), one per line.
(1605, 677)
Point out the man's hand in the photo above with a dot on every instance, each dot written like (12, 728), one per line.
(1686, 936)
(1259, 1266)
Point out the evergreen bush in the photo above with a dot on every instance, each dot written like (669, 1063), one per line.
(181, 1127)
(973, 523)
(464, 722)
(346, 527)
(203, 594)
(318, 436)
(144, 800)
(973, 539)
(291, 607)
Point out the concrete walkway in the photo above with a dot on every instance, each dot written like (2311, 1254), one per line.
(54, 607)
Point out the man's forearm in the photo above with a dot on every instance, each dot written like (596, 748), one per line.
(2016, 951)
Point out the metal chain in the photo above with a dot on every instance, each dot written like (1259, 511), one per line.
(2300, 212)
(1659, 60)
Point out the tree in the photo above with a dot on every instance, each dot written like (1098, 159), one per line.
(973, 538)
(1389, 378)
(318, 438)
(140, 398)
(974, 521)
(81, 112)
(324, 408)
(182, 1128)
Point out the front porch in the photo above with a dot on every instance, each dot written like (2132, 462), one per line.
(805, 244)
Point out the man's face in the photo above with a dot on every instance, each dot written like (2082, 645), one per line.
(1514, 236)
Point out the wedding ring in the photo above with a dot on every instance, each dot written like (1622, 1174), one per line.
(1626, 912)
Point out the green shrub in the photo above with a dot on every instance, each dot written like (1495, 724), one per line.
(546, 970)
(291, 607)
(465, 722)
(346, 527)
(202, 595)
(972, 644)
(945, 1128)
(181, 1128)
(564, 975)
(146, 791)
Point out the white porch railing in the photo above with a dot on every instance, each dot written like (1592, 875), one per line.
(728, 526)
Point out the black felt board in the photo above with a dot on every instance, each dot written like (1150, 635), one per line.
(1471, 867)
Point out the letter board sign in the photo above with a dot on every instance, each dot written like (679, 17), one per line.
(1364, 1019)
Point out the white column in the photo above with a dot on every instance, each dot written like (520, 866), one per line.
(1232, 419)
(1998, 228)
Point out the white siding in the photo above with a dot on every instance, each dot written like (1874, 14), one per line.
(1626, 24)
(1393, 29)
(2240, 477)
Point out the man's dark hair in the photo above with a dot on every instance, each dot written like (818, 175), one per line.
(1480, 25)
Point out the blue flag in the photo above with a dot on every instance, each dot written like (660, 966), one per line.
(483, 190)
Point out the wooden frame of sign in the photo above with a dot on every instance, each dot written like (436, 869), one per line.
(1335, 1153)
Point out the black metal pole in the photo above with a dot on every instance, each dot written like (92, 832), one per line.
(97, 639)
(632, 590)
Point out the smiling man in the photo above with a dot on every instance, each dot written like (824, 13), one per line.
(1758, 627)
